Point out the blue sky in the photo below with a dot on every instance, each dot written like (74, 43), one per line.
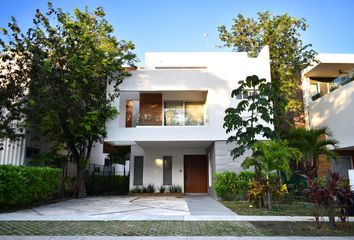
(179, 25)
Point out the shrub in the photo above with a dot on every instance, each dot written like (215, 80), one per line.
(136, 190)
(175, 188)
(150, 188)
(99, 184)
(162, 189)
(23, 186)
(231, 186)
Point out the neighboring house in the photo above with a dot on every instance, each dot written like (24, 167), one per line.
(171, 116)
(329, 101)
(12, 152)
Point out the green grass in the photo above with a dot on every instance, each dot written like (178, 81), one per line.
(304, 229)
(293, 209)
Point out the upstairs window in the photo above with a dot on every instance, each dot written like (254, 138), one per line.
(180, 113)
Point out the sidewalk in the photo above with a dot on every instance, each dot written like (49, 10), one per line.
(165, 238)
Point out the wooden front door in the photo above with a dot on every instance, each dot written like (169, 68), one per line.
(195, 173)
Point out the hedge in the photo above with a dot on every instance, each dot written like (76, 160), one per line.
(232, 186)
(23, 186)
(98, 184)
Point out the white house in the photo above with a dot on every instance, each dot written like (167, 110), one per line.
(329, 101)
(171, 116)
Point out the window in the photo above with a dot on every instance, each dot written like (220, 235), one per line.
(194, 114)
(167, 170)
(314, 89)
(179, 113)
(132, 113)
(244, 95)
(138, 170)
(174, 113)
(342, 166)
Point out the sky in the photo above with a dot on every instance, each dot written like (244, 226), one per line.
(180, 25)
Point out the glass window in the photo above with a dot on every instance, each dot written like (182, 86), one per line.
(138, 170)
(167, 170)
(194, 114)
(314, 89)
(174, 113)
(342, 165)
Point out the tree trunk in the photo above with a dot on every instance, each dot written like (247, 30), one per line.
(269, 198)
(63, 176)
(331, 219)
(80, 189)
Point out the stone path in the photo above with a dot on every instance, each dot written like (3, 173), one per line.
(128, 228)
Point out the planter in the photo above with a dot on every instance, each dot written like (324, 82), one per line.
(157, 194)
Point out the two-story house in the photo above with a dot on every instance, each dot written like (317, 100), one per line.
(171, 116)
(328, 88)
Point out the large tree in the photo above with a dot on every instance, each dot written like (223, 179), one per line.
(73, 59)
(288, 55)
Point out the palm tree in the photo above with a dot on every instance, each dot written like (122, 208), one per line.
(312, 143)
(271, 156)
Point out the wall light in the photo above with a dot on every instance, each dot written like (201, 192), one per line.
(159, 162)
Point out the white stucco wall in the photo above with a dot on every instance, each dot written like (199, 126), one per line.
(153, 172)
(221, 76)
(335, 110)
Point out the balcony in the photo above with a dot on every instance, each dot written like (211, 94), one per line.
(321, 86)
(155, 109)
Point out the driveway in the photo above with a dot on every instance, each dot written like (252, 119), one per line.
(126, 208)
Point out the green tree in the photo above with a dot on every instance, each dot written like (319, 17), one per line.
(245, 120)
(14, 74)
(271, 156)
(312, 143)
(288, 55)
(74, 57)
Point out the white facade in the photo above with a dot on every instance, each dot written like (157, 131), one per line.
(331, 77)
(188, 77)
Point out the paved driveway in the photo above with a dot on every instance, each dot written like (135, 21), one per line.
(126, 208)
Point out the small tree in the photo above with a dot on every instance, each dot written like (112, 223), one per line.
(271, 156)
(246, 120)
(312, 143)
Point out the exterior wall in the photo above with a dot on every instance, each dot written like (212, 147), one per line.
(223, 159)
(218, 78)
(152, 170)
(97, 155)
(13, 153)
(335, 110)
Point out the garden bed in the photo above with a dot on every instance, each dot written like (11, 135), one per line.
(157, 194)
(293, 209)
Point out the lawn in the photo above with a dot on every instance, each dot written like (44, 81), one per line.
(293, 209)
(303, 229)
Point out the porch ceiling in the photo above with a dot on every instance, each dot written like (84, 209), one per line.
(329, 69)
(174, 144)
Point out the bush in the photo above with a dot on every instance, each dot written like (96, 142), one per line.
(162, 189)
(97, 184)
(136, 190)
(150, 188)
(232, 186)
(175, 188)
(23, 186)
